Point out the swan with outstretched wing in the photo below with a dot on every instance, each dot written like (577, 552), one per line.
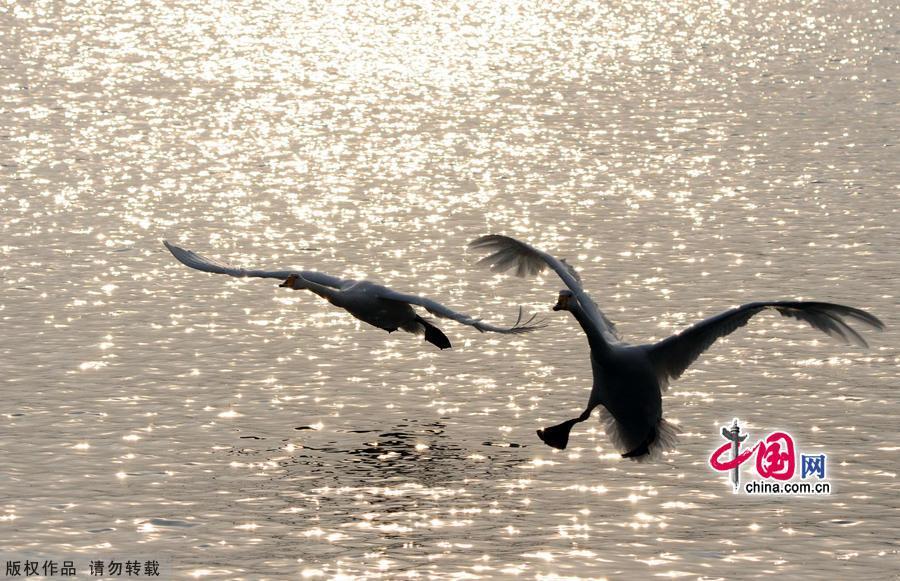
(629, 379)
(369, 302)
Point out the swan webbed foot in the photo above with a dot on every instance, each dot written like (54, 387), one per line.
(557, 436)
(638, 452)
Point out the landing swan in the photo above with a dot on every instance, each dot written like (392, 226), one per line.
(629, 379)
(369, 302)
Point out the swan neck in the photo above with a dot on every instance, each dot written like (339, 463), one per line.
(598, 343)
(323, 291)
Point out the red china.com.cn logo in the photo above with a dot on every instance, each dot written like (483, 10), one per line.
(775, 462)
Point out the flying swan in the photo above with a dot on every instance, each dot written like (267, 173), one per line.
(369, 302)
(629, 379)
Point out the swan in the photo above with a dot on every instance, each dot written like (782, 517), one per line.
(369, 302)
(629, 379)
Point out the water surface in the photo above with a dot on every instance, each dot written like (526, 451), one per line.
(687, 158)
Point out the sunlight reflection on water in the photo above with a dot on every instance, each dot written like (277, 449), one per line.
(686, 158)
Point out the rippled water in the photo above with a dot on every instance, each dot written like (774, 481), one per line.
(686, 157)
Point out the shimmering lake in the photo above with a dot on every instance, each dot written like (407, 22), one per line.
(686, 157)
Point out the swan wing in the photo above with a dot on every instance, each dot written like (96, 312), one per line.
(507, 253)
(200, 262)
(522, 324)
(672, 356)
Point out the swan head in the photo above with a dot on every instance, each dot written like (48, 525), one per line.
(289, 281)
(565, 301)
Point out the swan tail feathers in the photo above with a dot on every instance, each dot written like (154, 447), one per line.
(663, 438)
(639, 442)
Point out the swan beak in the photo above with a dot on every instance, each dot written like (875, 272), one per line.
(289, 281)
(561, 304)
